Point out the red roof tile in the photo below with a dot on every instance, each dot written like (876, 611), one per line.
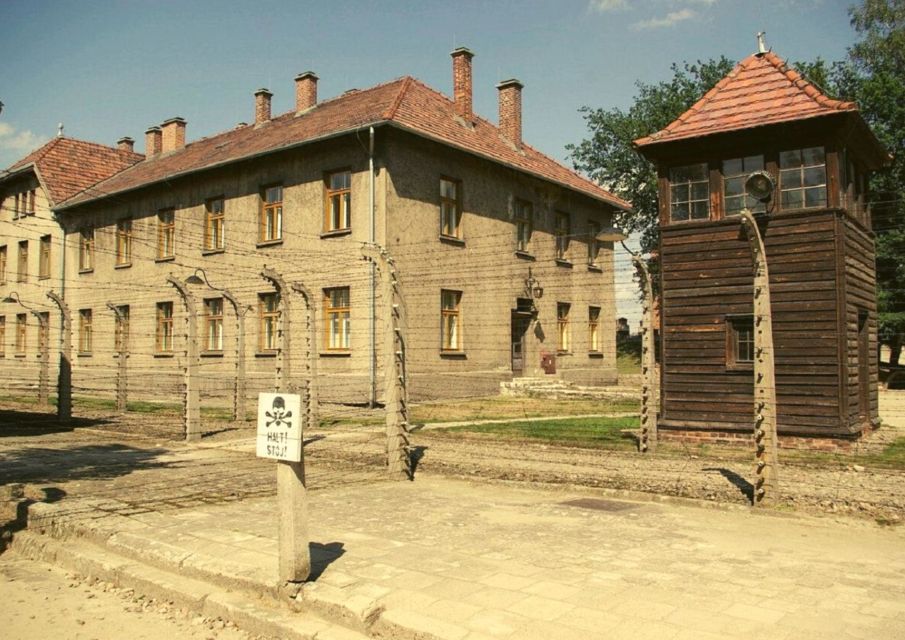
(760, 90)
(67, 166)
(405, 103)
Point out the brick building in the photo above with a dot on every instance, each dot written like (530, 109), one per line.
(31, 243)
(494, 244)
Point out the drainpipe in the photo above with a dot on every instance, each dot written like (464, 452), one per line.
(372, 239)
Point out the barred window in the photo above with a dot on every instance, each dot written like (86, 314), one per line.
(450, 320)
(86, 250)
(124, 242)
(338, 208)
(562, 233)
(86, 331)
(564, 331)
(594, 329)
(268, 321)
(213, 322)
(524, 224)
(164, 333)
(270, 228)
(450, 207)
(166, 233)
(215, 219)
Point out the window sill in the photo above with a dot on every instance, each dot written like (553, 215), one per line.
(212, 252)
(124, 265)
(265, 354)
(454, 355)
(740, 368)
(561, 262)
(164, 355)
(20, 355)
(336, 233)
(595, 268)
(83, 355)
(335, 354)
(563, 353)
(458, 242)
(269, 243)
(524, 255)
(165, 259)
(595, 354)
(43, 277)
(83, 271)
(211, 354)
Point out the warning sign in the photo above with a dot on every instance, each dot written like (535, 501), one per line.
(280, 426)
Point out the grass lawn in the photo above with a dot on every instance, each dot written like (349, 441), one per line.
(503, 407)
(600, 433)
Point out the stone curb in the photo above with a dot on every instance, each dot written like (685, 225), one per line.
(109, 547)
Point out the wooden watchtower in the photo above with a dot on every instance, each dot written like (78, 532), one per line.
(764, 116)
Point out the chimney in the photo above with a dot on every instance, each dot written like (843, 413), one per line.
(462, 82)
(305, 91)
(126, 144)
(262, 106)
(152, 141)
(173, 131)
(511, 111)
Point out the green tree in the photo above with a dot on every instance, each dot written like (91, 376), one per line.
(608, 156)
(874, 76)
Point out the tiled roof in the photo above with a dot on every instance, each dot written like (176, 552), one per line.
(405, 103)
(67, 166)
(760, 90)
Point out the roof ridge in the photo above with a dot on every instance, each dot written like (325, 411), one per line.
(390, 113)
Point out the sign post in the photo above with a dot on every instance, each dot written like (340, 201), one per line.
(280, 436)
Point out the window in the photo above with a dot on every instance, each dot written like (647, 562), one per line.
(44, 258)
(22, 273)
(164, 335)
(271, 223)
(3, 264)
(2, 336)
(524, 222)
(85, 331)
(450, 320)
(268, 321)
(740, 334)
(337, 213)
(16, 207)
(802, 178)
(337, 319)
(563, 331)
(21, 319)
(213, 224)
(594, 329)
(562, 232)
(450, 207)
(213, 322)
(735, 171)
(121, 329)
(124, 242)
(166, 233)
(86, 250)
(593, 243)
(689, 192)
(44, 331)
(30, 202)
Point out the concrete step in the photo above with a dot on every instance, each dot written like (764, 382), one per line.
(254, 615)
(95, 538)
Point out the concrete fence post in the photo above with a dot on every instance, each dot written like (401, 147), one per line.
(766, 484)
(64, 376)
(311, 396)
(650, 387)
(191, 396)
(44, 356)
(122, 354)
(283, 360)
(399, 462)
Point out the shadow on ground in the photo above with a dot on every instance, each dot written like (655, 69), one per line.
(744, 487)
(18, 423)
(45, 465)
(322, 555)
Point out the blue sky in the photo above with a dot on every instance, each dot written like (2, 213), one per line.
(114, 68)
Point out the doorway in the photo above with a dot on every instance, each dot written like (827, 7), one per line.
(520, 323)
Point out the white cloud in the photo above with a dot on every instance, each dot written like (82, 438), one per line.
(670, 19)
(607, 5)
(18, 141)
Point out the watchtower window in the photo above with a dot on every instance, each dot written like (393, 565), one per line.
(802, 178)
(689, 192)
(735, 171)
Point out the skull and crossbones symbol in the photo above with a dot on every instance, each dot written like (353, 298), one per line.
(278, 414)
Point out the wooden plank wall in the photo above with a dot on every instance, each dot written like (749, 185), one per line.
(707, 275)
(860, 293)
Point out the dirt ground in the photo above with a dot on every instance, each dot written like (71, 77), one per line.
(42, 601)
